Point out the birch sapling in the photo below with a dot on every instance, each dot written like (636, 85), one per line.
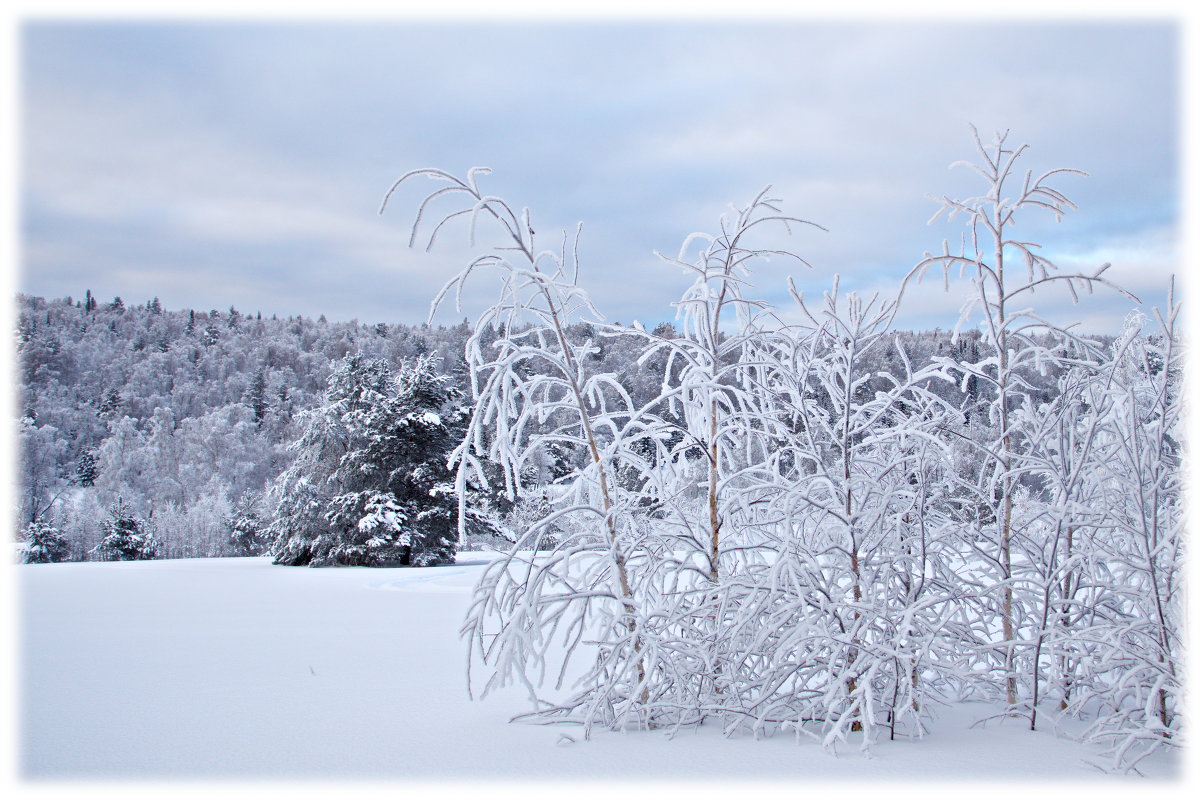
(536, 373)
(1003, 269)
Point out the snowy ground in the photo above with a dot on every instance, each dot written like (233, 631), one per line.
(238, 669)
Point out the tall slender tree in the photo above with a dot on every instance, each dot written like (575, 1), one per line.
(1004, 271)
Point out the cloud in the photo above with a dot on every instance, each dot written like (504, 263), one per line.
(155, 153)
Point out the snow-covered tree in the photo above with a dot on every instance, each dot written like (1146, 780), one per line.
(635, 562)
(845, 618)
(85, 468)
(532, 387)
(125, 537)
(245, 526)
(370, 485)
(1005, 271)
(42, 543)
(41, 479)
(698, 447)
(1134, 637)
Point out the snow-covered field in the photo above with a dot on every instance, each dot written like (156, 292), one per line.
(238, 669)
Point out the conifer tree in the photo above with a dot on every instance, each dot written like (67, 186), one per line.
(125, 536)
(370, 484)
(245, 527)
(43, 544)
(85, 468)
(256, 395)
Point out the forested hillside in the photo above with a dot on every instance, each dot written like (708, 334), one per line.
(188, 416)
(181, 414)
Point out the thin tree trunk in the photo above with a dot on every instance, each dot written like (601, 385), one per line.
(1065, 621)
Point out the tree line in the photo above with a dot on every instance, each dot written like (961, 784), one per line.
(184, 421)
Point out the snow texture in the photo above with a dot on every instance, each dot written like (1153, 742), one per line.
(233, 668)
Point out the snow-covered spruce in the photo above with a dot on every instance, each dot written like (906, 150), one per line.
(246, 528)
(42, 543)
(369, 485)
(125, 537)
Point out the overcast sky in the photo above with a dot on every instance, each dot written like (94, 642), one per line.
(243, 164)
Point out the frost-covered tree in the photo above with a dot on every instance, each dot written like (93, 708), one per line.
(126, 466)
(533, 386)
(697, 446)
(822, 527)
(125, 537)
(1059, 518)
(709, 381)
(632, 566)
(196, 529)
(1135, 637)
(844, 620)
(40, 478)
(1005, 271)
(1101, 549)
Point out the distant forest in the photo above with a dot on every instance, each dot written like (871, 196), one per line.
(186, 417)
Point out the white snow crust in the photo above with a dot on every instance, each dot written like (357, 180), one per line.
(233, 668)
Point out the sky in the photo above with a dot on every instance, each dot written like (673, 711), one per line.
(216, 163)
